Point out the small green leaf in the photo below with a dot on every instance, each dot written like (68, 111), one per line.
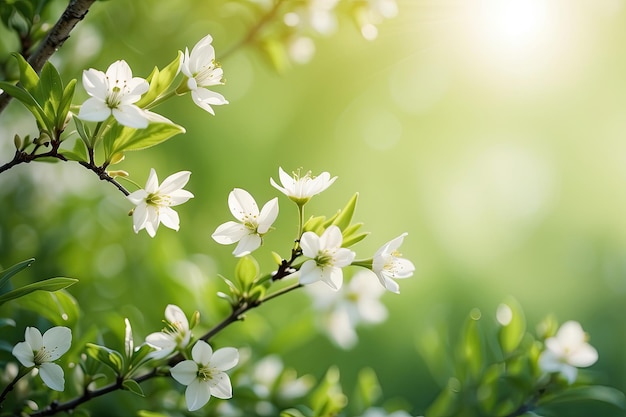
(29, 102)
(50, 284)
(139, 356)
(124, 139)
(109, 357)
(367, 391)
(12, 270)
(160, 81)
(448, 402)
(83, 131)
(78, 153)
(49, 91)
(351, 240)
(28, 76)
(64, 105)
(293, 412)
(470, 350)
(146, 413)
(343, 220)
(58, 307)
(132, 386)
(246, 271)
(512, 322)
(600, 393)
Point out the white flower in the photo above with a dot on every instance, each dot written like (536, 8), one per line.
(389, 265)
(354, 304)
(379, 412)
(154, 202)
(40, 351)
(567, 351)
(254, 224)
(202, 71)
(328, 257)
(114, 93)
(301, 188)
(204, 375)
(174, 336)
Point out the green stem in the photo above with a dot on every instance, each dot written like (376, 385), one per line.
(160, 99)
(22, 372)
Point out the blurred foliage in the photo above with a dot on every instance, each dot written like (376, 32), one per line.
(505, 163)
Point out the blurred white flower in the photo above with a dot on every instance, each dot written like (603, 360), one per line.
(40, 351)
(327, 257)
(154, 202)
(269, 377)
(567, 351)
(202, 71)
(204, 375)
(174, 336)
(379, 412)
(389, 265)
(113, 93)
(300, 188)
(253, 224)
(354, 304)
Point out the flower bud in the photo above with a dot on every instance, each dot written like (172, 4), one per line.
(17, 141)
(118, 173)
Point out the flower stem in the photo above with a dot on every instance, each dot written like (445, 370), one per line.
(22, 372)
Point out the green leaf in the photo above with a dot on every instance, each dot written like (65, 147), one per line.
(124, 139)
(64, 105)
(367, 391)
(50, 284)
(600, 393)
(29, 102)
(351, 240)
(78, 153)
(146, 413)
(512, 322)
(132, 386)
(140, 356)
(58, 307)
(160, 81)
(83, 132)
(470, 350)
(293, 412)
(448, 402)
(49, 90)
(246, 271)
(12, 270)
(109, 357)
(28, 76)
(343, 219)
(328, 398)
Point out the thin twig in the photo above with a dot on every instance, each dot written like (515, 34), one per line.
(255, 30)
(60, 32)
(235, 315)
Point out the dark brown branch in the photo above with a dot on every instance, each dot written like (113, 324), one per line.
(60, 32)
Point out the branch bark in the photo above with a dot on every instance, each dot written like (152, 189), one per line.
(74, 13)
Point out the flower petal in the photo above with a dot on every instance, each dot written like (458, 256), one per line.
(268, 215)
(137, 197)
(130, 115)
(201, 352)
(310, 273)
(57, 340)
(229, 232)
(221, 386)
(169, 218)
(174, 182)
(24, 353)
(310, 244)
(94, 110)
(185, 372)
(242, 204)
(197, 394)
(247, 244)
(52, 376)
(585, 355)
(225, 358)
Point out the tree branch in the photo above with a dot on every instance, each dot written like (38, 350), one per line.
(60, 32)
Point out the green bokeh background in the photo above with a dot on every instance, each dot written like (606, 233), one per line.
(503, 157)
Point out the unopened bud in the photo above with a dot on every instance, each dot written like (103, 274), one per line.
(118, 173)
(17, 141)
(117, 158)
